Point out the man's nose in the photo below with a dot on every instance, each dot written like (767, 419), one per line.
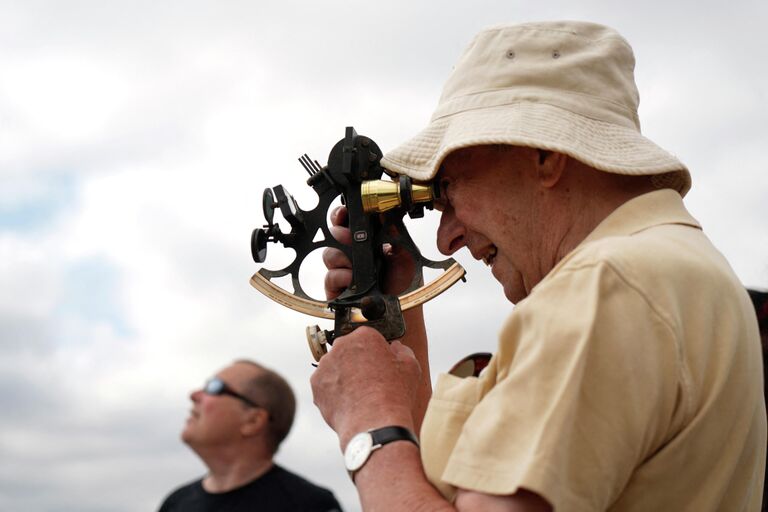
(195, 395)
(450, 234)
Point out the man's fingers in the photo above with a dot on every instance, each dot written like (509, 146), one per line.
(339, 275)
(339, 216)
(334, 258)
(342, 234)
(339, 222)
(336, 281)
(401, 351)
(406, 357)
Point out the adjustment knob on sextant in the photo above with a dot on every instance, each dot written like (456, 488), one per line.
(259, 245)
(317, 340)
(268, 203)
(373, 307)
(289, 208)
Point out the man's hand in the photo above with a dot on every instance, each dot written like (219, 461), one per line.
(365, 382)
(399, 274)
(339, 275)
(398, 270)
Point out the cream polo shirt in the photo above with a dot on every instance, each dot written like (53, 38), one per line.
(630, 379)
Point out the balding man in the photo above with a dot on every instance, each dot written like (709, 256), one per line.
(237, 422)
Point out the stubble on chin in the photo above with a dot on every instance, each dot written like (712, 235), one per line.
(514, 287)
(187, 433)
(511, 280)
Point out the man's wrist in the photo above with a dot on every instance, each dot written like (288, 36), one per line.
(377, 419)
(362, 445)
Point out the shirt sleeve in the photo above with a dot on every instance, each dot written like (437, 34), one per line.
(587, 385)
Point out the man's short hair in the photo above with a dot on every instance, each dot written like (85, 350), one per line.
(273, 393)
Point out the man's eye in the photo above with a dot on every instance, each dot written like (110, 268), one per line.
(442, 202)
(444, 189)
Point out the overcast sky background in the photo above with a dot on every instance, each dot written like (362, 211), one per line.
(136, 139)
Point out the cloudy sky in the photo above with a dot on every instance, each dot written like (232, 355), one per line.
(136, 139)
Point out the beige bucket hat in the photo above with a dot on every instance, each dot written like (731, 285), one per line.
(562, 86)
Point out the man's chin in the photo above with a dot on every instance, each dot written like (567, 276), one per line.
(186, 435)
(514, 289)
(510, 279)
(514, 295)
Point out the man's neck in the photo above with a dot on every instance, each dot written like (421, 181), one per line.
(592, 197)
(226, 473)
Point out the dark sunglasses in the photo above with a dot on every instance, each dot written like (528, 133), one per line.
(215, 387)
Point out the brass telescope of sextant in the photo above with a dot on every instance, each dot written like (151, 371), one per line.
(376, 209)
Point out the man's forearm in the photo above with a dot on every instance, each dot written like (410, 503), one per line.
(393, 479)
(416, 339)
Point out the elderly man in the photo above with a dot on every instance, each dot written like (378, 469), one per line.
(627, 377)
(237, 422)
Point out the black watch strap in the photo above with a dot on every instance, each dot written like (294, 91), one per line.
(384, 435)
(362, 445)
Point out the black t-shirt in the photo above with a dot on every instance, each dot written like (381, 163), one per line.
(277, 490)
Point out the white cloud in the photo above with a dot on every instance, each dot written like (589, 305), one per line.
(22, 262)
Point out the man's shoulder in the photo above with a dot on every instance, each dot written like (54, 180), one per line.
(303, 492)
(673, 239)
(662, 252)
(289, 478)
(181, 495)
(278, 489)
(666, 266)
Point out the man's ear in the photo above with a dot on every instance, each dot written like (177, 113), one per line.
(256, 420)
(550, 168)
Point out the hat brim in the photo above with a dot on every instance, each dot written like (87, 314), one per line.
(605, 146)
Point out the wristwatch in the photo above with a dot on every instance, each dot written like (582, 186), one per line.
(360, 447)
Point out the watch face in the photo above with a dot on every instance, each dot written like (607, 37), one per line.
(358, 450)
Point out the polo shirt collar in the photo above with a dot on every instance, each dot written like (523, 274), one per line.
(640, 213)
